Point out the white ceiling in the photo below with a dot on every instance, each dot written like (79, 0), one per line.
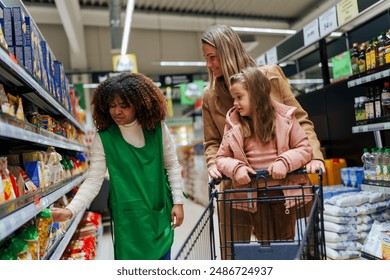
(79, 32)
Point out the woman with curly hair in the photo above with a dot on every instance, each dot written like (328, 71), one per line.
(134, 144)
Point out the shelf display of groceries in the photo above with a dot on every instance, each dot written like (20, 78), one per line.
(43, 152)
(30, 62)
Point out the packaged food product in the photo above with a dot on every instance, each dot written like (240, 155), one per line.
(19, 248)
(30, 235)
(385, 236)
(44, 220)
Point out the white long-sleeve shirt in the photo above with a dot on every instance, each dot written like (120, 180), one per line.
(133, 135)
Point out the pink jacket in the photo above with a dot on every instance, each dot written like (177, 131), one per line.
(293, 146)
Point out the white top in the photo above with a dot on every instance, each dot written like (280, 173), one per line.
(132, 133)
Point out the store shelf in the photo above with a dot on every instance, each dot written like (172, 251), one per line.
(59, 247)
(381, 189)
(19, 77)
(369, 78)
(371, 127)
(16, 219)
(12, 132)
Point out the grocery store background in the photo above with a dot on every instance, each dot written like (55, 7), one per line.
(310, 39)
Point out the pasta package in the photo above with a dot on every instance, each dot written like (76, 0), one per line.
(44, 221)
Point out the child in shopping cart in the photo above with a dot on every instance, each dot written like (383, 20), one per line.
(261, 134)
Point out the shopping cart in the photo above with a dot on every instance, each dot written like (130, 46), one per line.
(262, 222)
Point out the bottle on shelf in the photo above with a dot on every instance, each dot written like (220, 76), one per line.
(386, 165)
(379, 165)
(386, 100)
(378, 101)
(369, 105)
(368, 55)
(374, 53)
(373, 161)
(366, 164)
(381, 49)
(362, 110)
(362, 58)
(357, 110)
(387, 47)
(355, 59)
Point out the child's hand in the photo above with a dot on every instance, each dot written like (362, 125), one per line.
(242, 177)
(278, 170)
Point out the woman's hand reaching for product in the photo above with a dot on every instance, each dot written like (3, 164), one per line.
(315, 165)
(60, 214)
(214, 173)
(177, 215)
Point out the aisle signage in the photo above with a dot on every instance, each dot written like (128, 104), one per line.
(328, 22)
(272, 56)
(347, 10)
(173, 80)
(125, 63)
(311, 32)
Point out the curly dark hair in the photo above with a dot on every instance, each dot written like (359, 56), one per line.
(134, 89)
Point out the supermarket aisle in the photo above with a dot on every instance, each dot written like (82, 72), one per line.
(192, 214)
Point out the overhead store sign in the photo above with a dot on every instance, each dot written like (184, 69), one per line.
(347, 10)
(311, 32)
(328, 22)
(125, 63)
(172, 80)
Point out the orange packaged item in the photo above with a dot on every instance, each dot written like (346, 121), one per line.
(333, 167)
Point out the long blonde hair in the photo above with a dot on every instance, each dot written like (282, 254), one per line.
(232, 55)
(261, 124)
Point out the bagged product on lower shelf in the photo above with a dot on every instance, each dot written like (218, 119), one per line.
(30, 235)
(377, 243)
(44, 221)
(19, 248)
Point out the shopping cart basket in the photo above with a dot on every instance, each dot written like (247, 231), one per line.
(263, 222)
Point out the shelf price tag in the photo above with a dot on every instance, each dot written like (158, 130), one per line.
(347, 10)
(311, 32)
(328, 21)
(364, 128)
(272, 56)
(386, 125)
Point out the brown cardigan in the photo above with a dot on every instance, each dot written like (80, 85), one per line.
(215, 107)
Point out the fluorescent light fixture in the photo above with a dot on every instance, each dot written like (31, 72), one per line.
(182, 63)
(90, 85)
(264, 30)
(126, 30)
(306, 81)
(336, 34)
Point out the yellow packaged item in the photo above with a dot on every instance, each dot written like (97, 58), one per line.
(333, 167)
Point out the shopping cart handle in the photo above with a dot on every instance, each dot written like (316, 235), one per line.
(260, 173)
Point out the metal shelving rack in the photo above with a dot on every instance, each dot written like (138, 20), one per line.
(16, 213)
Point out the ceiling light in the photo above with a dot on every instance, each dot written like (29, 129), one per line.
(306, 81)
(264, 30)
(182, 63)
(126, 29)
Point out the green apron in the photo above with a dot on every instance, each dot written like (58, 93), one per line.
(140, 197)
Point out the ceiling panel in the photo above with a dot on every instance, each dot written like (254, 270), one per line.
(186, 18)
